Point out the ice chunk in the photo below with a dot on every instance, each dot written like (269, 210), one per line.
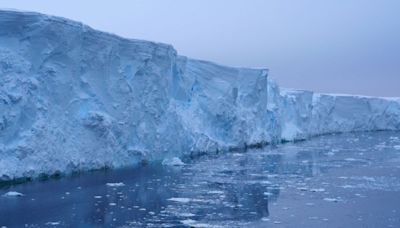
(13, 194)
(53, 223)
(180, 200)
(186, 215)
(119, 184)
(331, 200)
(215, 192)
(173, 162)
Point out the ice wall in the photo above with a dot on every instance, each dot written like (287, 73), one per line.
(304, 114)
(223, 107)
(73, 98)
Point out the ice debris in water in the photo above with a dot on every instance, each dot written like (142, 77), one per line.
(13, 194)
(180, 200)
(332, 200)
(194, 223)
(53, 223)
(119, 184)
(173, 162)
(188, 222)
(186, 215)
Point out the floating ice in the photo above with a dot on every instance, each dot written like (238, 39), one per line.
(180, 200)
(53, 223)
(317, 190)
(186, 215)
(188, 222)
(119, 184)
(13, 194)
(331, 200)
(173, 162)
(268, 194)
(194, 223)
(215, 192)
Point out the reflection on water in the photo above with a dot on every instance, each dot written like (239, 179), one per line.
(300, 183)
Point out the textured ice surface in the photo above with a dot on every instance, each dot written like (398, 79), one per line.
(304, 114)
(73, 98)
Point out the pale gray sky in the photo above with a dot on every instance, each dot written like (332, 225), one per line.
(343, 46)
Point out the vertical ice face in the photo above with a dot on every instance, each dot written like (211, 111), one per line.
(73, 98)
(223, 107)
(304, 114)
(295, 114)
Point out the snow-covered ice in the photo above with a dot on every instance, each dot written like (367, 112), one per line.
(73, 98)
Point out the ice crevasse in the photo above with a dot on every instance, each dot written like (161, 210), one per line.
(73, 98)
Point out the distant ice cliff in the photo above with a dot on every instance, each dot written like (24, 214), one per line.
(73, 98)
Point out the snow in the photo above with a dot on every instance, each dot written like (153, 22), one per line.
(75, 99)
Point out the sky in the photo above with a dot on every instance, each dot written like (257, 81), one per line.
(332, 46)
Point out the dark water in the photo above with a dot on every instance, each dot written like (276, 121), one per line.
(347, 180)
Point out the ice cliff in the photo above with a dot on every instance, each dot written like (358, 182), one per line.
(73, 98)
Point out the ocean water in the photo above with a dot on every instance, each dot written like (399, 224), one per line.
(344, 180)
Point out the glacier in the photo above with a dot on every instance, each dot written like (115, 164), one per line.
(73, 99)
